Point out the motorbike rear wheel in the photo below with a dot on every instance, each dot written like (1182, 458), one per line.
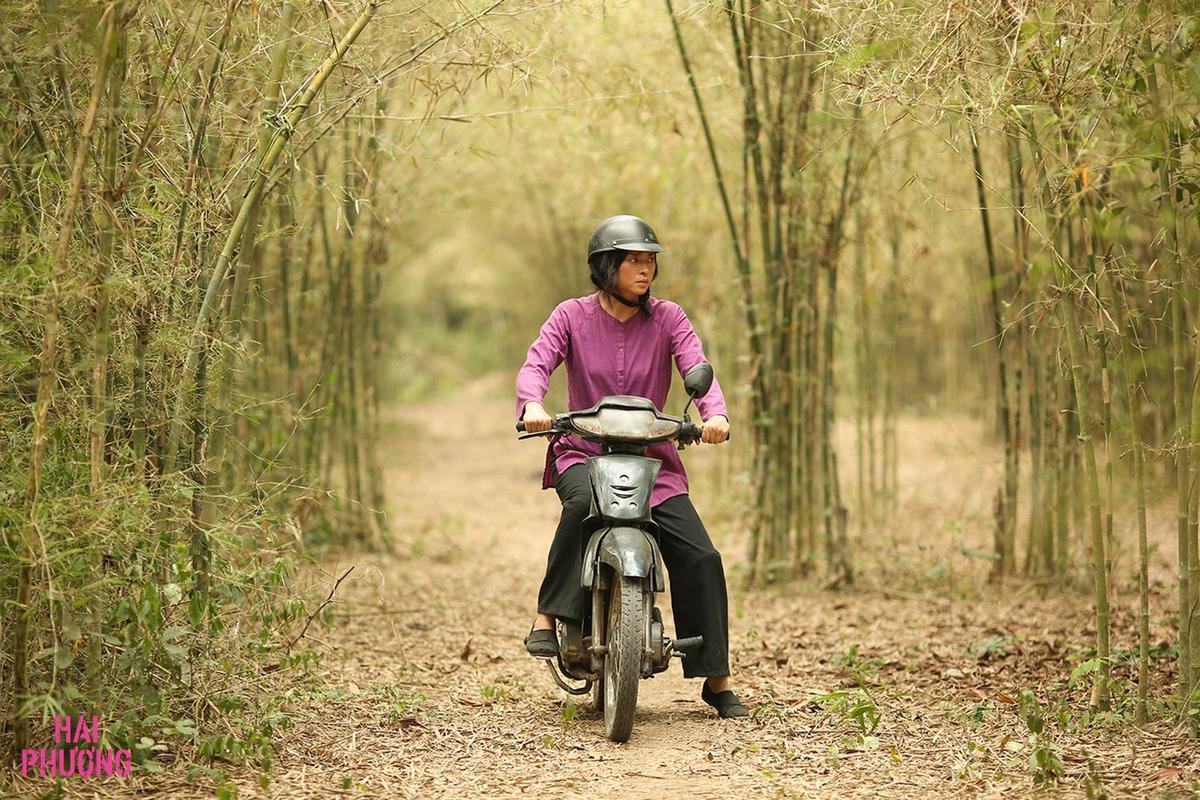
(623, 662)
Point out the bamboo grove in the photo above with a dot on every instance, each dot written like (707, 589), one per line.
(202, 206)
(801, 224)
(1076, 127)
(195, 236)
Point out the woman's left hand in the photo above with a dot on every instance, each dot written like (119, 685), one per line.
(716, 430)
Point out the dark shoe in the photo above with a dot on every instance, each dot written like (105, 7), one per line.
(542, 644)
(726, 703)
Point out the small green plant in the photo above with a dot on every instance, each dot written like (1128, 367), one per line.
(1044, 761)
(989, 648)
(853, 661)
(849, 658)
(493, 694)
(400, 705)
(1094, 785)
(1083, 670)
(859, 707)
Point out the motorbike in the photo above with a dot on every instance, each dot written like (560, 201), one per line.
(621, 638)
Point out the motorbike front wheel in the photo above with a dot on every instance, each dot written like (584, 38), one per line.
(623, 662)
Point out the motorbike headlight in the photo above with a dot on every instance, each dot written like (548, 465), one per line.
(624, 423)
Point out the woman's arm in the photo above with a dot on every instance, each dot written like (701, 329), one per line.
(688, 352)
(544, 356)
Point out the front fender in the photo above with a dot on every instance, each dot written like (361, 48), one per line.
(631, 552)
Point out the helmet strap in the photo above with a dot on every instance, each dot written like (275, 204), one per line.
(639, 303)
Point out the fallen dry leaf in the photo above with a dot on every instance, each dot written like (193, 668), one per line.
(1166, 774)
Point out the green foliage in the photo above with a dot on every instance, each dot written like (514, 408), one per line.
(1044, 761)
(493, 694)
(1045, 764)
(989, 648)
(1031, 712)
(158, 596)
(401, 705)
(854, 662)
(856, 706)
(1083, 670)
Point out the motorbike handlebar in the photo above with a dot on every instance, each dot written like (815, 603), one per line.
(689, 432)
(555, 428)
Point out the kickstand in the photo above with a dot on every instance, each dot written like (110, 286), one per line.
(566, 687)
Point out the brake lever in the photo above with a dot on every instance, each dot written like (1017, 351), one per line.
(550, 432)
(680, 444)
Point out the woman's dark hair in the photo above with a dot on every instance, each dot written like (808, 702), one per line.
(604, 267)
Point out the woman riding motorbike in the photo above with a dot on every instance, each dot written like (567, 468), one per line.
(620, 340)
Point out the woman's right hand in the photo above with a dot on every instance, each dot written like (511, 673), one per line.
(536, 419)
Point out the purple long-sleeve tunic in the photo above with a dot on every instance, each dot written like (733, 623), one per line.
(604, 357)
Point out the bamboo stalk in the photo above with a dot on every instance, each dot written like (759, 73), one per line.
(1133, 401)
(100, 340)
(195, 151)
(889, 467)
(742, 260)
(278, 141)
(324, 365)
(1006, 501)
(1106, 421)
(861, 351)
(234, 322)
(348, 348)
(23, 88)
(1191, 619)
(1174, 269)
(372, 331)
(839, 567)
(287, 220)
(46, 370)
(1099, 577)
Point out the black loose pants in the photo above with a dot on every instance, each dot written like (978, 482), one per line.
(696, 576)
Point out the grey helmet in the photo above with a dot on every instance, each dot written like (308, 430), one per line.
(623, 232)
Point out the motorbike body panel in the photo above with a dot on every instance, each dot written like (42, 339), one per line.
(631, 552)
(622, 531)
(621, 486)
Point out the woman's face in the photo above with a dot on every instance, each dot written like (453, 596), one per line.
(635, 274)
